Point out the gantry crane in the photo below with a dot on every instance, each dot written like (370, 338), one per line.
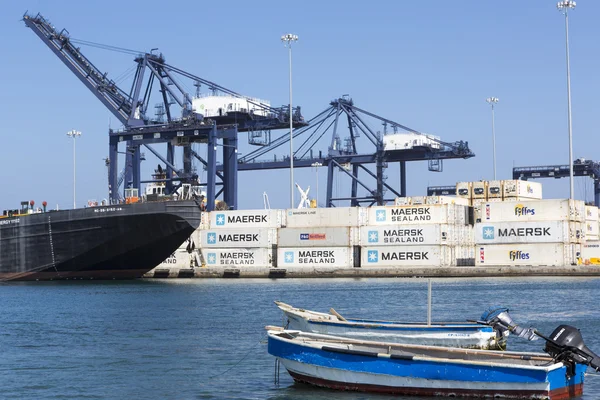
(131, 109)
(345, 158)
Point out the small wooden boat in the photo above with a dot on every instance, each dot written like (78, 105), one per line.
(450, 334)
(391, 368)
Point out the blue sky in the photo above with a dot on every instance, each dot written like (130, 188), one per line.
(429, 65)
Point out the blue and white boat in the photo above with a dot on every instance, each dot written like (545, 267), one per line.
(391, 368)
(450, 334)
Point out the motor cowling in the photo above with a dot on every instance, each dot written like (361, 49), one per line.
(499, 318)
(566, 344)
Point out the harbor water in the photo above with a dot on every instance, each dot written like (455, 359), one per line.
(205, 338)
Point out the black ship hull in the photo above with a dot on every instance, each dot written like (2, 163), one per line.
(113, 242)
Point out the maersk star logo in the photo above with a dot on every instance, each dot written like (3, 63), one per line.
(288, 257)
(373, 236)
(380, 215)
(211, 238)
(220, 219)
(211, 258)
(373, 256)
(488, 232)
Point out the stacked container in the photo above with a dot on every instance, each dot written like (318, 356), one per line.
(532, 232)
(590, 252)
(427, 235)
(320, 238)
(239, 238)
(516, 190)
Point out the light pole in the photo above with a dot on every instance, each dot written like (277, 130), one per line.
(317, 165)
(564, 6)
(74, 134)
(492, 101)
(287, 39)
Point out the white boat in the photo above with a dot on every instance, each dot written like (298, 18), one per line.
(391, 368)
(451, 334)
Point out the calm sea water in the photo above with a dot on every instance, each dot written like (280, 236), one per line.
(204, 339)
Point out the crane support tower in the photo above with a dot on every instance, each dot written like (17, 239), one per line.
(218, 126)
(581, 167)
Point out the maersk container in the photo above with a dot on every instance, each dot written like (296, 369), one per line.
(405, 256)
(316, 237)
(494, 189)
(465, 235)
(240, 237)
(447, 200)
(591, 213)
(412, 235)
(465, 190)
(324, 217)
(522, 189)
(529, 232)
(480, 190)
(339, 257)
(533, 210)
(180, 258)
(418, 215)
(244, 219)
(590, 253)
(539, 254)
(238, 257)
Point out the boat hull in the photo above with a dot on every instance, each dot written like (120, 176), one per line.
(379, 373)
(472, 336)
(114, 242)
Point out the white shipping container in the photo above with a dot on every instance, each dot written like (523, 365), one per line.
(591, 229)
(464, 190)
(340, 257)
(494, 189)
(539, 254)
(529, 232)
(591, 213)
(480, 189)
(400, 235)
(446, 200)
(402, 201)
(522, 189)
(324, 217)
(422, 214)
(317, 237)
(418, 200)
(240, 237)
(244, 219)
(180, 258)
(533, 210)
(404, 256)
(258, 257)
(590, 253)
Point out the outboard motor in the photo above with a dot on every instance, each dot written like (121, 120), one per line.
(566, 344)
(498, 318)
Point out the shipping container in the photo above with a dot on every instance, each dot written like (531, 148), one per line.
(533, 210)
(591, 213)
(494, 190)
(422, 214)
(240, 237)
(244, 219)
(447, 200)
(239, 257)
(400, 235)
(529, 232)
(590, 253)
(522, 189)
(317, 237)
(402, 201)
(339, 257)
(480, 189)
(591, 229)
(324, 217)
(464, 256)
(539, 254)
(180, 258)
(464, 190)
(405, 256)
(418, 200)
